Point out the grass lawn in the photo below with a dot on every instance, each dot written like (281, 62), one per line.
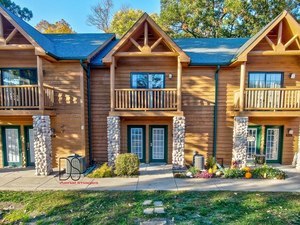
(71, 207)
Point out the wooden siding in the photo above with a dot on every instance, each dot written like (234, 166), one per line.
(198, 106)
(69, 122)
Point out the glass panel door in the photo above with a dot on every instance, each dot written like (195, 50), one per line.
(273, 144)
(253, 142)
(30, 146)
(158, 143)
(136, 141)
(11, 146)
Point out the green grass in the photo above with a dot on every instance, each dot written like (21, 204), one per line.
(71, 207)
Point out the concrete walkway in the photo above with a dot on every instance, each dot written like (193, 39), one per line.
(152, 177)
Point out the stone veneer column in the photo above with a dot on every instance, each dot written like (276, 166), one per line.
(240, 131)
(113, 138)
(42, 145)
(178, 141)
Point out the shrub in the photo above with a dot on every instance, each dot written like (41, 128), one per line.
(193, 170)
(211, 163)
(268, 172)
(103, 171)
(179, 175)
(127, 164)
(234, 173)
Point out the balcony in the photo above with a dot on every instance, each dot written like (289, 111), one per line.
(146, 99)
(268, 99)
(26, 97)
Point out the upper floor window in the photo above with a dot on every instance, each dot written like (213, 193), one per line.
(147, 80)
(18, 76)
(265, 80)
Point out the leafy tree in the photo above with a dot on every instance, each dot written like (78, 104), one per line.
(221, 18)
(24, 13)
(127, 17)
(101, 15)
(61, 27)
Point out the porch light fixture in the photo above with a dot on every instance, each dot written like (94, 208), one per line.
(292, 75)
(170, 76)
(52, 133)
(290, 132)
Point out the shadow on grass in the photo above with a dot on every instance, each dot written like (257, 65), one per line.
(75, 207)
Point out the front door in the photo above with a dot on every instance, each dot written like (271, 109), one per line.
(158, 143)
(273, 144)
(137, 141)
(253, 141)
(11, 146)
(29, 146)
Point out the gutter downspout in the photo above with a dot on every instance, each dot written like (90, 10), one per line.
(215, 131)
(87, 69)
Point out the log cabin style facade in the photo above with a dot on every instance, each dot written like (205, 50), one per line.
(163, 99)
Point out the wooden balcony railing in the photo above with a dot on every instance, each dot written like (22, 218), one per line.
(25, 97)
(146, 99)
(269, 99)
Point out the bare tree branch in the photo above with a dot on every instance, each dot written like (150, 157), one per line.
(101, 14)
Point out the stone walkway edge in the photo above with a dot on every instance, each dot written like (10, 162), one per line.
(151, 178)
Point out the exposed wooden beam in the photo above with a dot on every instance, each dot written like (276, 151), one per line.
(136, 44)
(145, 54)
(1, 30)
(279, 40)
(270, 42)
(156, 43)
(289, 52)
(40, 83)
(146, 34)
(179, 83)
(16, 47)
(11, 35)
(290, 41)
(148, 113)
(112, 84)
(242, 85)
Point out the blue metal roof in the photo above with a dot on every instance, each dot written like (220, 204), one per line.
(77, 46)
(210, 51)
(202, 51)
(63, 46)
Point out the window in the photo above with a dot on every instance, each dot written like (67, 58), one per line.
(265, 80)
(147, 80)
(18, 76)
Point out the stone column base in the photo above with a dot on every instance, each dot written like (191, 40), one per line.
(113, 138)
(178, 141)
(42, 145)
(240, 133)
(298, 161)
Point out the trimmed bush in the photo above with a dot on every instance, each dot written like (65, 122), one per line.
(102, 171)
(234, 173)
(268, 172)
(127, 164)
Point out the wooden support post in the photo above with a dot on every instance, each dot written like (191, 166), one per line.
(242, 85)
(23, 147)
(179, 81)
(112, 84)
(146, 34)
(2, 40)
(40, 83)
(279, 40)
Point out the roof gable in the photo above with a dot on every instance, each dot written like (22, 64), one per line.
(146, 38)
(279, 36)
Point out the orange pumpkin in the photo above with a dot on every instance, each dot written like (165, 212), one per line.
(248, 175)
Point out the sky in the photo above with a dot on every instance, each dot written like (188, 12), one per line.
(75, 12)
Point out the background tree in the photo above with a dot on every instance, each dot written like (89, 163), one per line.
(221, 18)
(101, 14)
(24, 13)
(58, 27)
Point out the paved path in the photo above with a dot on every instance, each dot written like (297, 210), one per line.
(152, 177)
